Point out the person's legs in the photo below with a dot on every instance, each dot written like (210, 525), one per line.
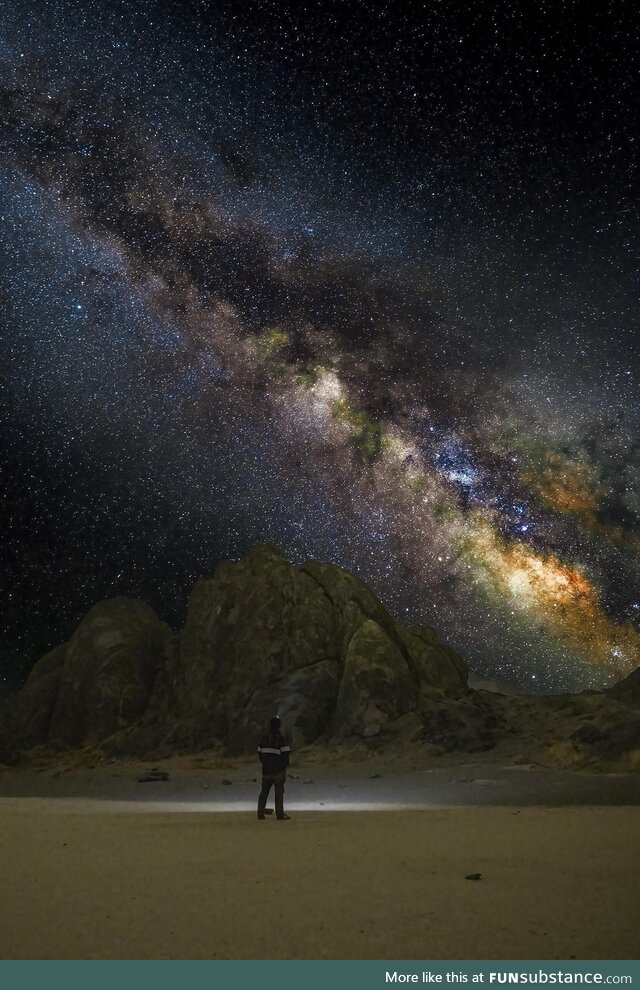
(279, 788)
(264, 794)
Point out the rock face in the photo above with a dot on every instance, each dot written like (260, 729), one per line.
(377, 686)
(311, 642)
(94, 685)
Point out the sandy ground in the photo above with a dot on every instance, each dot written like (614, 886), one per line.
(94, 864)
(556, 883)
(203, 782)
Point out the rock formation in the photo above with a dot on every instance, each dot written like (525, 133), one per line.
(95, 685)
(311, 642)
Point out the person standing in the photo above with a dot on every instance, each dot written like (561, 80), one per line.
(274, 752)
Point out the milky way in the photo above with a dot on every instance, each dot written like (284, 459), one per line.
(359, 284)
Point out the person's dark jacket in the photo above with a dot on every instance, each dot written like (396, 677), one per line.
(274, 752)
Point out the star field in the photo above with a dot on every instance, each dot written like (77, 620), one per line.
(356, 281)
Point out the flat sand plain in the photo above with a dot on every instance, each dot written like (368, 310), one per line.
(123, 870)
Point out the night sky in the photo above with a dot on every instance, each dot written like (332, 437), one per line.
(356, 279)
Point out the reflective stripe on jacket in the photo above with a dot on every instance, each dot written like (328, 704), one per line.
(274, 753)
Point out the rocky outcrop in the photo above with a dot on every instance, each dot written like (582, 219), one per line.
(628, 689)
(311, 642)
(607, 733)
(593, 730)
(96, 684)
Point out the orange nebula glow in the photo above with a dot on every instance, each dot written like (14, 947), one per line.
(559, 594)
(567, 486)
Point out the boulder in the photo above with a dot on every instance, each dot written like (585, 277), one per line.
(94, 685)
(376, 686)
(111, 663)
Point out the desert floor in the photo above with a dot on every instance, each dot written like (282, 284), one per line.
(372, 865)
